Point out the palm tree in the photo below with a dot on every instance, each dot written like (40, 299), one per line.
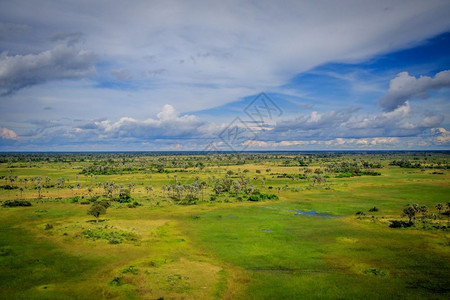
(236, 187)
(89, 191)
(47, 180)
(203, 185)
(39, 188)
(148, 188)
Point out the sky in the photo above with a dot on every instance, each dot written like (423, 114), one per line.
(224, 75)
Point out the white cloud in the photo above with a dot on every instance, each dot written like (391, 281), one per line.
(440, 135)
(210, 53)
(404, 87)
(337, 142)
(169, 124)
(7, 134)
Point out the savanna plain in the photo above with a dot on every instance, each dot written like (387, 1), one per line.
(318, 225)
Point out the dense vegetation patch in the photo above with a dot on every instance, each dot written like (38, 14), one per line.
(12, 203)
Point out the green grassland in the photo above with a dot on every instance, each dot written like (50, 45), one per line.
(181, 239)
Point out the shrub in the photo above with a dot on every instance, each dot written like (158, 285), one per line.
(48, 226)
(373, 209)
(253, 198)
(399, 224)
(130, 269)
(374, 271)
(8, 187)
(12, 203)
(124, 196)
(134, 204)
(115, 281)
(263, 196)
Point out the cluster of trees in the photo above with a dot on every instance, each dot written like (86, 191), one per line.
(404, 163)
(186, 193)
(413, 211)
(349, 169)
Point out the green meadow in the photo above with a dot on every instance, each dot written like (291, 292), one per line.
(225, 226)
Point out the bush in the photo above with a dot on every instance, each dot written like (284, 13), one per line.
(124, 196)
(373, 209)
(134, 204)
(48, 226)
(115, 281)
(374, 271)
(75, 199)
(130, 269)
(263, 196)
(253, 198)
(8, 187)
(400, 224)
(12, 203)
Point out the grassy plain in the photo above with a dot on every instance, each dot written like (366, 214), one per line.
(224, 247)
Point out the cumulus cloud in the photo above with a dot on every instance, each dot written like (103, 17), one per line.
(440, 135)
(352, 123)
(404, 87)
(336, 142)
(61, 62)
(7, 134)
(168, 124)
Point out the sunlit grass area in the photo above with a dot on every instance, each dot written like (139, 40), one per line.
(318, 238)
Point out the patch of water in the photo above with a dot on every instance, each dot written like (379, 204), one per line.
(301, 212)
(312, 213)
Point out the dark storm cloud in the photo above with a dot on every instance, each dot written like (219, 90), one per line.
(61, 62)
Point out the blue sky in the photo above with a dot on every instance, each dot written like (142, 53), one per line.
(151, 75)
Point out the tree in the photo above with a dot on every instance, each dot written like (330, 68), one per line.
(39, 188)
(71, 187)
(439, 207)
(236, 187)
(148, 188)
(203, 185)
(410, 212)
(424, 210)
(96, 210)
